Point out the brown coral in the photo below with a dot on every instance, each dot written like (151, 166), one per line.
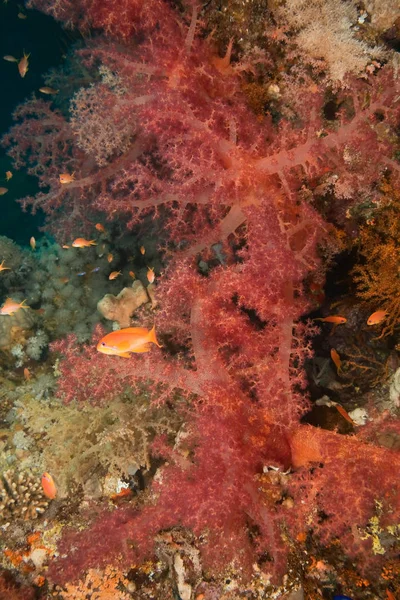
(21, 497)
(120, 308)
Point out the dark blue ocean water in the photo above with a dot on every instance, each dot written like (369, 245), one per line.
(47, 43)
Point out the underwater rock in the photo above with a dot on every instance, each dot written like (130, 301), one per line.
(120, 308)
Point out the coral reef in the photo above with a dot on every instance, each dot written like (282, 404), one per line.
(248, 211)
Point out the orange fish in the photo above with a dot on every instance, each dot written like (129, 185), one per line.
(10, 58)
(65, 246)
(100, 227)
(110, 258)
(3, 191)
(389, 595)
(130, 339)
(123, 494)
(336, 359)
(48, 90)
(3, 268)
(82, 243)
(10, 307)
(49, 487)
(67, 178)
(132, 274)
(27, 374)
(114, 275)
(142, 250)
(64, 279)
(22, 15)
(23, 65)
(344, 413)
(336, 319)
(8, 175)
(32, 243)
(150, 274)
(377, 317)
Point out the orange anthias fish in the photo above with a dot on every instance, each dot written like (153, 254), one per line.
(110, 258)
(377, 317)
(27, 374)
(130, 339)
(100, 227)
(114, 275)
(82, 243)
(142, 250)
(23, 65)
(132, 274)
(48, 90)
(10, 307)
(67, 178)
(150, 274)
(336, 359)
(344, 413)
(49, 487)
(32, 243)
(3, 191)
(10, 58)
(8, 175)
(3, 268)
(335, 319)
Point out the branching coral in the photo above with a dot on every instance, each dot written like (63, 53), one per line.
(234, 342)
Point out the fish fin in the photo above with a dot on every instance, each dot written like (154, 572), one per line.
(142, 349)
(124, 354)
(92, 242)
(139, 331)
(152, 337)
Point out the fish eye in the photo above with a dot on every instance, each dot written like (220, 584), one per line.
(103, 343)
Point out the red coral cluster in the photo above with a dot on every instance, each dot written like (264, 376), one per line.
(236, 195)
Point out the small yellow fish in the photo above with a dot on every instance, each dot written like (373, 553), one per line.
(10, 58)
(114, 275)
(23, 65)
(10, 307)
(8, 175)
(32, 243)
(150, 274)
(48, 90)
(22, 15)
(3, 191)
(65, 246)
(110, 258)
(3, 268)
(100, 227)
(142, 250)
(377, 317)
(82, 243)
(67, 178)
(130, 339)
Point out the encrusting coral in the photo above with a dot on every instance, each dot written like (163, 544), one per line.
(120, 308)
(21, 497)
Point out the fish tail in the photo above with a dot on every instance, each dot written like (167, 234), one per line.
(152, 337)
(92, 243)
(23, 305)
